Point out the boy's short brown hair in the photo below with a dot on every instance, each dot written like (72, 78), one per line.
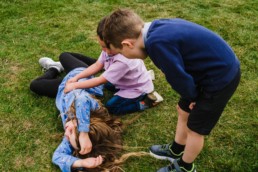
(121, 24)
(100, 28)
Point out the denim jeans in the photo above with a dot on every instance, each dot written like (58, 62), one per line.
(118, 105)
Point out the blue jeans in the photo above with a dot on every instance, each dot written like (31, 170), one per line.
(118, 105)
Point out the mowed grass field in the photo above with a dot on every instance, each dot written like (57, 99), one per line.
(30, 129)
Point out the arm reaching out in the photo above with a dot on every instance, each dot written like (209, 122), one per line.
(91, 70)
(73, 83)
(85, 84)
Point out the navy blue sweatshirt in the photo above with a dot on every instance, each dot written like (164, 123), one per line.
(192, 57)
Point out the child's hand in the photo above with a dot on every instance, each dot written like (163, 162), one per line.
(85, 143)
(92, 162)
(191, 106)
(71, 80)
(88, 162)
(69, 87)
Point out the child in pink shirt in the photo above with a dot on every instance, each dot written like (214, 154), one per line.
(130, 78)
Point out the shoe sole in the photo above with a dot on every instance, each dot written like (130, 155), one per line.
(162, 157)
(158, 97)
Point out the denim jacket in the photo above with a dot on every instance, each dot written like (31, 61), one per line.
(84, 103)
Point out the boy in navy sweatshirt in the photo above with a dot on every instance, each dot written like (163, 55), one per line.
(197, 63)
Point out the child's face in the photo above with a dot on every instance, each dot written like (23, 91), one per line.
(104, 47)
(70, 133)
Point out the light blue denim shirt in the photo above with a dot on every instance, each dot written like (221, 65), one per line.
(84, 103)
(62, 156)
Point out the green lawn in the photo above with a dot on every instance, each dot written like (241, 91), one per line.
(30, 129)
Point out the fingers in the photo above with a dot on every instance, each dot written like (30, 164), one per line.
(99, 160)
(191, 106)
(92, 162)
(68, 87)
(71, 80)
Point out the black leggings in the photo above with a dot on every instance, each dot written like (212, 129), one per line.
(48, 83)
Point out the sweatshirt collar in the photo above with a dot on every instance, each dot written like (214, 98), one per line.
(145, 31)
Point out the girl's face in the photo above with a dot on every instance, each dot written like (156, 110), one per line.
(70, 133)
(104, 47)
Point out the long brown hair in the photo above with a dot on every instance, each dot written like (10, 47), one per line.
(106, 137)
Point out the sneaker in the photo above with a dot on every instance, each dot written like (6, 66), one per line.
(47, 63)
(159, 98)
(164, 152)
(152, 99)
(151, 73)
(174, 167)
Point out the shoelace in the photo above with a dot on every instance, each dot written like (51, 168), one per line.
(165, 146)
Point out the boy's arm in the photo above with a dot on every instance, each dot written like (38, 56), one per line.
(90, 83)
(169, 60)
(85, 84)
(91, 70)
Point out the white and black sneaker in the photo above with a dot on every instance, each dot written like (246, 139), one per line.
(47, 63)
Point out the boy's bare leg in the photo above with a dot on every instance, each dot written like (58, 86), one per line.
(181, 128)
(193, 141)
(193, 147)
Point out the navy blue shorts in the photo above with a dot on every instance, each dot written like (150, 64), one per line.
(208, 108)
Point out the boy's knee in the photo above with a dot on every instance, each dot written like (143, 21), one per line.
(181, 111)
(109, 107)
(112, 109)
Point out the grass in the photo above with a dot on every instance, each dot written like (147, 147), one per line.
(29, 127)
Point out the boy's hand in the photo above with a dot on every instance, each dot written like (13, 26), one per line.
(191, 106)
(71, 80)
(92, 162)
(69, 87)
(85, 143)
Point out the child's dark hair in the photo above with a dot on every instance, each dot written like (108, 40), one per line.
(120, 25)
(100, 27)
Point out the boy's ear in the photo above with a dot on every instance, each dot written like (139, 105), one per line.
(127, 43)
